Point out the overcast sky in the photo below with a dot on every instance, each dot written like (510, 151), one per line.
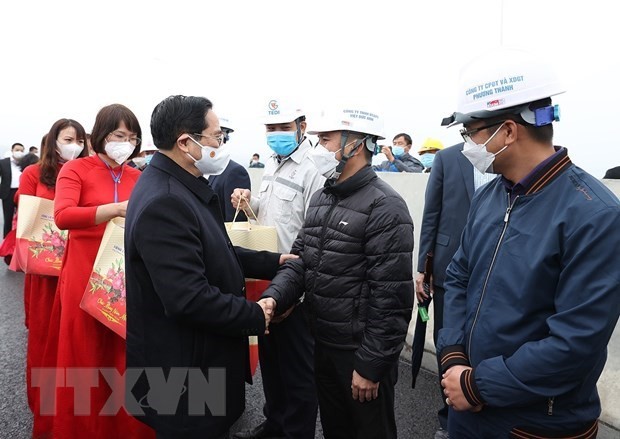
(398, 59)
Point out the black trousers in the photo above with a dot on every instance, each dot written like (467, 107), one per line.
(341, 415)
(438, 299)
(286, 362)
(8, 209)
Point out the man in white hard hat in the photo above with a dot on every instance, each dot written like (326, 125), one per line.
(286, 354)
(355, 268)
(532, 293)
(234, 176)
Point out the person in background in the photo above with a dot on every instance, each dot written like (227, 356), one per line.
(427, 152)
(532, 292)
(398, 157)
(34, 150)
(613, 173)
(233, 176)
(286, 354)
(9, 182)
(27, 160)
(255, 162)
(90, 192)
(450, 188)
(66, 142)
(355, 270)
(142, 160)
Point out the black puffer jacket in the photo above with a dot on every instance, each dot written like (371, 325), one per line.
(356, 269)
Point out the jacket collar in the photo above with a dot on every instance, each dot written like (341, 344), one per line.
(198, 185)
(352, 184)
(541, 175)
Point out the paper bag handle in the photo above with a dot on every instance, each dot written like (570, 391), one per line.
(239, 208)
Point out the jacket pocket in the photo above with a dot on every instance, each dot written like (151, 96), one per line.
(285, 198)
(443, 239)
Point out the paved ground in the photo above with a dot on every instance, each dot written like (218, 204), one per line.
(415, 409)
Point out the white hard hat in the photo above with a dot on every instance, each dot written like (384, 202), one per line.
(504, 81)
(225, 125)
(349, 119)
(281, 111)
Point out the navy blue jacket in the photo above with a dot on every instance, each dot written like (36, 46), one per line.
(532, 298)
(185, 295)
(449, 192)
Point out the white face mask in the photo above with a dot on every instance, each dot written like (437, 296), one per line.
(68, 151)
(139, 161)
(479, 156)
(17, 155)
(213, 161)
(119, 151)
(325, 161)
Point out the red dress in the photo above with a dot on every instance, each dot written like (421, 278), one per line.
(39, 292)
(83, 185)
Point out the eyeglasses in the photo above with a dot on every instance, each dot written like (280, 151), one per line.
(466, 135)
(219, 137)
(119, 136)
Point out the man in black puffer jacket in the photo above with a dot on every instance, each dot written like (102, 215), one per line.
(355, 268)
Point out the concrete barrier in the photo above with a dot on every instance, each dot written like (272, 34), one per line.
(412, 188)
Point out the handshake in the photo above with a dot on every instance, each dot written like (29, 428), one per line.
(269, 308)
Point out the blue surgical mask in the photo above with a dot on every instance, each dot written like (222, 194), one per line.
(427, 159)
(282, 143)
(398, 151)
(148, 159)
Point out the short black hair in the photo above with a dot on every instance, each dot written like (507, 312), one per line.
(176, 115)
(406, 136)
(257, 155)
(16, 144)
(33, 148)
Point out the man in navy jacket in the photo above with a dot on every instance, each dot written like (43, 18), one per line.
(186, 308)
(532, 293)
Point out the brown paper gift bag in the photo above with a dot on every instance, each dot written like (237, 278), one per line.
(40, 245)
(255, 237)
(104, 298)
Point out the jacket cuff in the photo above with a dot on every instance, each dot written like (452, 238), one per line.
(470, 389)
(452, 356)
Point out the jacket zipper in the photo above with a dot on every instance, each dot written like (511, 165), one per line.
(550, 402)
(486, 281)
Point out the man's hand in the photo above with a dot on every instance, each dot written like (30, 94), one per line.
(240, 196)
(388, 152)
(269, 308)
(419, 287)
(451, 384)
(286, 257)
(283, 316)
(363, 389)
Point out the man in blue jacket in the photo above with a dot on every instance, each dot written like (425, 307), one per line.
(532, 293)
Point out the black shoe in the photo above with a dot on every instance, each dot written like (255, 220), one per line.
(261, 431)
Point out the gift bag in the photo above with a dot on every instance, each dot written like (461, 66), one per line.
(255, 237)
(104, 297)
(39, 244)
